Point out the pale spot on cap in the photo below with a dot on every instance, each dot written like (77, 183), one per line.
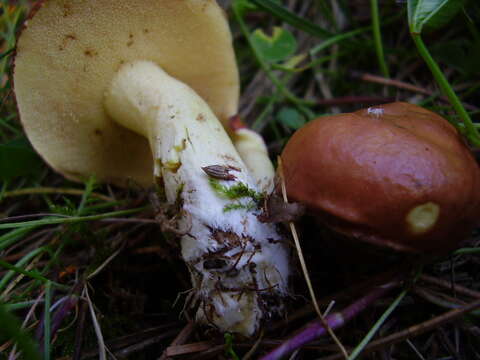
(422, 217)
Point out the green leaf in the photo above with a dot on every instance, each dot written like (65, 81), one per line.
(7, 53)
(229, 347)
(431, 14)
(277, 47)
(291, 118)
(12, 330)
(17, 158)
(243, 6)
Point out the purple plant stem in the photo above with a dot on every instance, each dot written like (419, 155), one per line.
(65, 308)
(315, 329)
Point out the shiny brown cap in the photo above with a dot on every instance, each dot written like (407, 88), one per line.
(396, 175)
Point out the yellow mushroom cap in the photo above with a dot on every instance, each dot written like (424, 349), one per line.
(68, 54)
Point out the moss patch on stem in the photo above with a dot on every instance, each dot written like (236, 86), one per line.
(236, 192)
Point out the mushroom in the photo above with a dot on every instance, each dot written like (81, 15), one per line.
(395, 175)
(130, 91)
(252, 149)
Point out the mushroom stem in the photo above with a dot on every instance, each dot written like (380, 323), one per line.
(238, 265)
(254, 153)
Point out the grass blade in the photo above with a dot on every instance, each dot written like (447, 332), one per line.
(13, 236)
(70, 220)
(472, 133)
(18, 268)
(20, 305)
(359, 348)
(102, 352)
(377, 36)
(47, 321)
(290, 18)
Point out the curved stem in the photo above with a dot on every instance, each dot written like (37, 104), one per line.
(361, 346)
(51, 190)
(254, 153)
(291, 18)
(301, 104)
(377, 36)
(472, 133)
(236, 262)
(316, 329)
(47, 321)
(68, 220)
(335, 39)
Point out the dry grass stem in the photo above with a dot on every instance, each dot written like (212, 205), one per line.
(415, 330)
(304, 267)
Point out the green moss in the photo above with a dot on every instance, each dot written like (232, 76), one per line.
(237, 191)
(239, 206)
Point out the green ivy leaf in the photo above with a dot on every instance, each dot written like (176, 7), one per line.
(17, 158)
(291, 118)
(277, 47)
(431, 14)
(243, 7)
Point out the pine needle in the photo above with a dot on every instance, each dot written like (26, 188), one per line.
(102, 352)
(304, 267)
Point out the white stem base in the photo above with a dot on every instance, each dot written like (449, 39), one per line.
(238, 265)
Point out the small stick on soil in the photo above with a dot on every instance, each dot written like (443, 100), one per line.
(344, 295)
(79, 331)
(188, 348)
(130, 220)
(315, 329)
(415, 330)
(181, 338)
(438, 299)
(51, 190)
(390, 82)
(145, 343)
(354, 100)
(304, 268)
(212, 353)
(400, 85)
(449, 285)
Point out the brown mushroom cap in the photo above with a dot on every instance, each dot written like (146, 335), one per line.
(396, 175)
(68, 54)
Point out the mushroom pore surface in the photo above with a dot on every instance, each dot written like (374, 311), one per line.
(68, 54)
(396, 175)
